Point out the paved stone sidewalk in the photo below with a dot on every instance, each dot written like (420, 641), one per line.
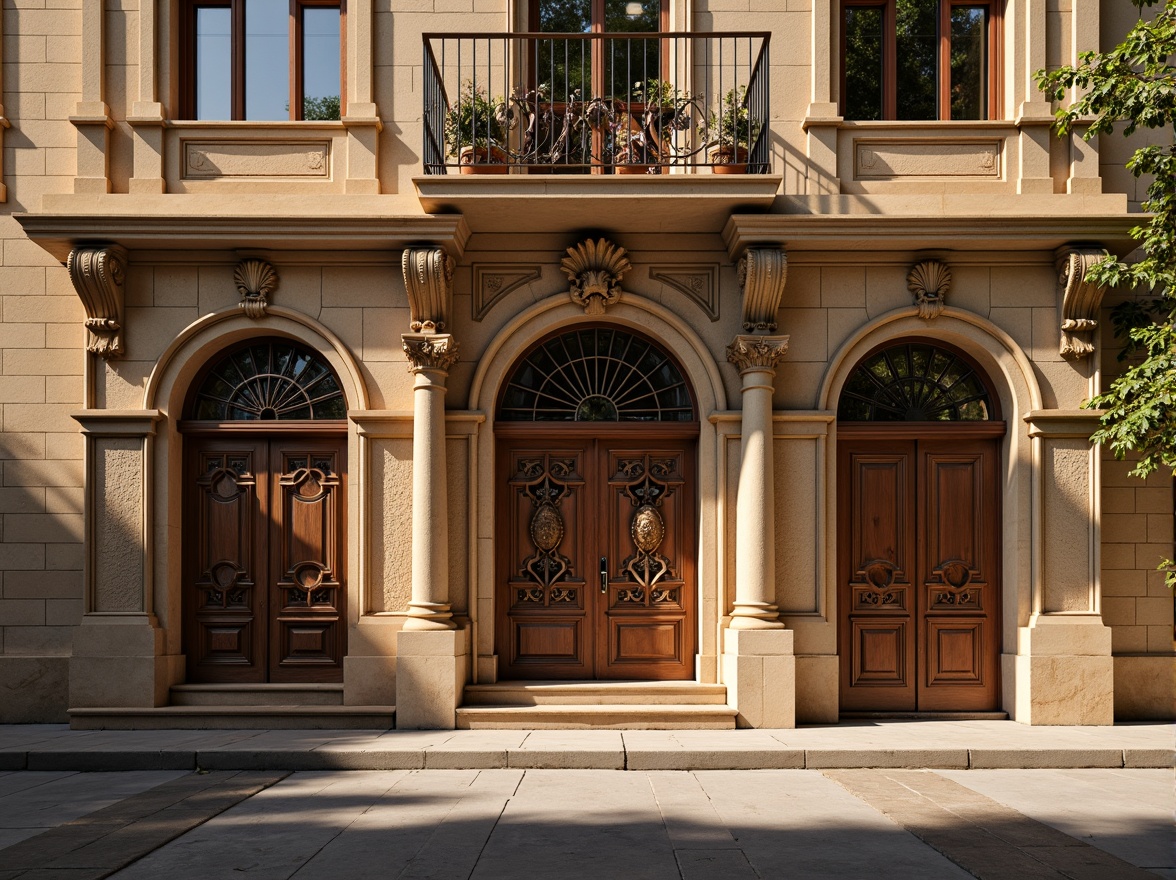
(961, 745)
(1094, 824)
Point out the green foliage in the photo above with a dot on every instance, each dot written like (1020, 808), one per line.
(1132, 87)
(474, 121)
(324, 107)
(731, 125)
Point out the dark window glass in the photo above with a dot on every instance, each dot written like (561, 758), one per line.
(597, 375)
(914, 382)
(214, 90)
(916, 36)
(274, 380)
(321, 90)
(267, 59)
(969, 62)
(863, 62)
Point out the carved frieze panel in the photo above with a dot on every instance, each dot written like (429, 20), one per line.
(895, 158)
(699, 283)
(217, 159)
(493, 281)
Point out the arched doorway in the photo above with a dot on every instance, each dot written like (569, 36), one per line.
(919, 525)
(596, 436)
(265, 470)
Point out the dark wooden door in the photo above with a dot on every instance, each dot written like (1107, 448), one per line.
(264, 585)
(596, 555)
(919, 524)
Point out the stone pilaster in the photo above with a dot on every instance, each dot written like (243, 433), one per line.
(1063, 672)
(118, 651)
(431, 652)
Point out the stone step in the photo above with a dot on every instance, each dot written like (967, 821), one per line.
(257, 695)
(622, 716)
(570, 693)
(235, 718)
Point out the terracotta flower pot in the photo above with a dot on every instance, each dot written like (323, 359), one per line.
(729, 160)
(482, 160)
(637, 169)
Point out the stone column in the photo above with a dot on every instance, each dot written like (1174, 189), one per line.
(431, 661)
(1063, 672)
(759, 667)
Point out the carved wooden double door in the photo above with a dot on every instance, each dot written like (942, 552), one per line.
(596, 554)
(919, 582)
(263, 558)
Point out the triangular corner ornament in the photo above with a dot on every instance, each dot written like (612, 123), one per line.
(700, 283)
(493, 281)
(595, 269)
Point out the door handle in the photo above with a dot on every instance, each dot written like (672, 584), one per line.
(604, 574)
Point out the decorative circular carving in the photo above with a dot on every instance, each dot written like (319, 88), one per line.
(879, 574)
(308, 575)
(312, 486)
(956, 573)
(224, 486)
(647, 529)
(547, 527)
(224, 574)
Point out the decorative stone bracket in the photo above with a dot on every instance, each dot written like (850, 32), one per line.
(98, 273)
(255, 280)
(1080, 300)
(763, 273)
(428, 278)
(929, 281)
(595, 269)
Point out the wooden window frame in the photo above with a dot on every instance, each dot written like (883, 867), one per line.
(943, 53)
(237, 56)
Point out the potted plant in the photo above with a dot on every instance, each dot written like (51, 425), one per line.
(475, 131)
(730, 133)
(632, 152)
(644, 140)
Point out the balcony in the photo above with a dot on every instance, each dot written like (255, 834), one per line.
(599, 104)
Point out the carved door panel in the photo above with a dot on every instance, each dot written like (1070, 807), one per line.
(919, 521)
(648, 515)
(596, 559)
(263, 570)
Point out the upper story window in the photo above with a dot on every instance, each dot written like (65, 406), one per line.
(920, 59)
(263, 59)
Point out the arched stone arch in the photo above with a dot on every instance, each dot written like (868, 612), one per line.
(636, 313)
(1015, 384)
(166, 392)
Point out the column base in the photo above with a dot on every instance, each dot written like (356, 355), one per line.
(431, 671)
(1063, 672)
(755, 615)
(120, 662)
(429, 616)
(759, 670)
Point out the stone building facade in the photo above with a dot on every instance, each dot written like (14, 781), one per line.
(301, 423)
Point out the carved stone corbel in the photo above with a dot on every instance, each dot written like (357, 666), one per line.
(1080, 301)
(255, 280)
(929, 282)
(757, 352)
(98, 274)
(429, 351)
(428, 278)
(595, 269)
(762, 275)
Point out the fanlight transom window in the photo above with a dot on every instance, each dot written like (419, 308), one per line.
(915, 382)
(270, 380)
(597, 375)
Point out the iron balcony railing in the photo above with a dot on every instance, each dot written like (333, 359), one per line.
(596, 103)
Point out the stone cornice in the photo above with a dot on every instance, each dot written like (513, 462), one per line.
(200, 231)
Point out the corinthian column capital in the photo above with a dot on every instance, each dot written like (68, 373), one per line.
(429, 351)
(757, 352)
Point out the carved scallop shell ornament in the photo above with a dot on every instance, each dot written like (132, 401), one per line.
(255, 280)
(595, 269)
(929, 282)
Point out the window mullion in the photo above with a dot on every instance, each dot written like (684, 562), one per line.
(890, 61)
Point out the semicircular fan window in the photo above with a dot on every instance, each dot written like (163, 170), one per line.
(271, 380)
(914, 382)
(597, 375)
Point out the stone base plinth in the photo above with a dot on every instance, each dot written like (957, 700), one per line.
(759, 670)
(818, 688)
(1063, 672)
(431, 671)
(119, 661)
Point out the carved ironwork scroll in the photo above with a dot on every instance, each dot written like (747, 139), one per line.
(952, 586)
(650, 480)
(546, 481)
(874, 586)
